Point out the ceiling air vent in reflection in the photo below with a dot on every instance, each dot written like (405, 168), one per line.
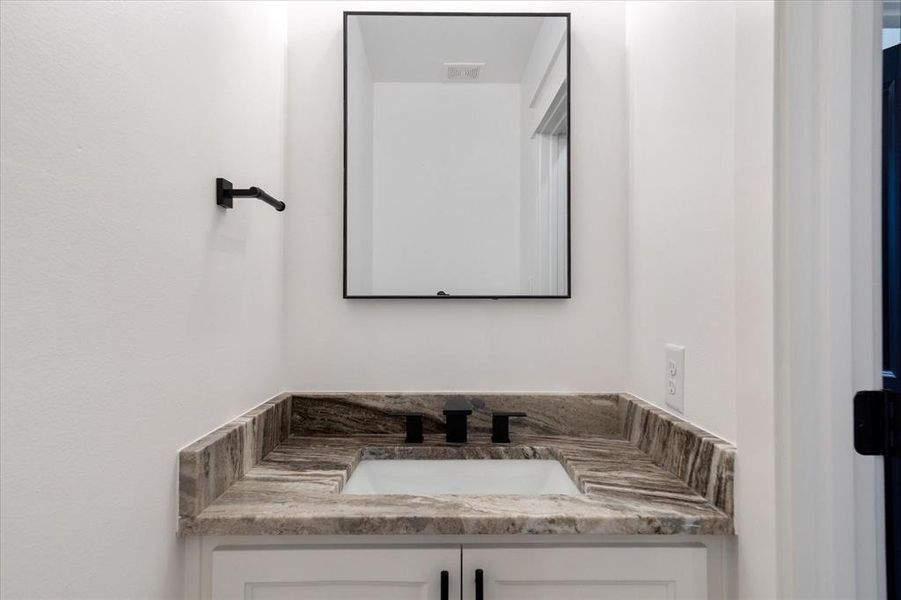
(462, 71)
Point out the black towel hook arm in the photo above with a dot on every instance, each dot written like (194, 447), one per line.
(225, 192)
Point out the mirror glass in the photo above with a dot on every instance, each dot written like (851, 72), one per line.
(456, 155)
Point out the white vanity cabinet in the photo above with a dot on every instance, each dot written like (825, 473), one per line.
(335, 573)
(508, 572)
(585, 573)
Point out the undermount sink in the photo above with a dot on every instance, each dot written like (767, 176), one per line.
(463, 477)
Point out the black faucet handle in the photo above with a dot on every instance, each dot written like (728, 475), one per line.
(500, 426)
(414, 426)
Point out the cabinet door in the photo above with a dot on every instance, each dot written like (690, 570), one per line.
(335, 574)
(586, 573)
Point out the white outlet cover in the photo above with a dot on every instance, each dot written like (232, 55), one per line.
(674, 377)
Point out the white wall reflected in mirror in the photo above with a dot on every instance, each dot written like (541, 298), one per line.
(457, 155)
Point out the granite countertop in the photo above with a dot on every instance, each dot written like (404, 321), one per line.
(280, 469)
(296, 488)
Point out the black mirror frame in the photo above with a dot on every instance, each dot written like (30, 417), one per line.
(567, 16)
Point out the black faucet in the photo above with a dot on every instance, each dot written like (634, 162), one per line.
(456, 410)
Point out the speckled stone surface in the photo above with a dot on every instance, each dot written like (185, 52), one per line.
(641, 470)
(701, 460)
(295, 490)
(549, 414)
(210, 465)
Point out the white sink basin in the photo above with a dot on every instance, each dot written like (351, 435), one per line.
(464, 477)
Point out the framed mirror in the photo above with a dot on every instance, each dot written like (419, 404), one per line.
(456, 155)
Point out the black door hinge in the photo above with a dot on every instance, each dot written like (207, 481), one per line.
(877, 423)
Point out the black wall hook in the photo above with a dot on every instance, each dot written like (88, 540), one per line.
(225, 193)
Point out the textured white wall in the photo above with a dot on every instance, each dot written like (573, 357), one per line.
(576, 344)
(135, 315)
(701, 267)
(755, 412)
(827, 253)
(446, 188)
(681, 72)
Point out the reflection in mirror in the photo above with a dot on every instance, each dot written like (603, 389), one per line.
(457, 165)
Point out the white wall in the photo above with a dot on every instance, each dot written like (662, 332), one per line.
(827, 253)
(445, 188)
(135, 315)
(682, 280)
(755, 410)
(576, 344)
(701, 231)
(359, 163)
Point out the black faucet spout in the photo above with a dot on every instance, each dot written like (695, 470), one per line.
(456, 411)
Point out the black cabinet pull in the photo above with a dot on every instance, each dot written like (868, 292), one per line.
(480, 593)
(445, 585)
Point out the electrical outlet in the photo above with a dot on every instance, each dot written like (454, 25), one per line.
(674, 388)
